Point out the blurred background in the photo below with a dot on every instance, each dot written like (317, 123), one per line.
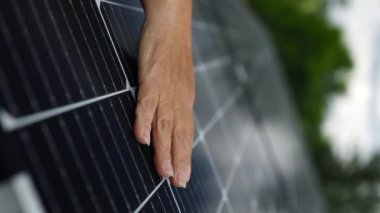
(330, 52)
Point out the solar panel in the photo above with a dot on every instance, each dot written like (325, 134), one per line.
(67, 79)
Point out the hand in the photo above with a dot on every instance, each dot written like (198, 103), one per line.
(166, 88)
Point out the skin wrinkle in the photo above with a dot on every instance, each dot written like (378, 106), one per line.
(166, 92)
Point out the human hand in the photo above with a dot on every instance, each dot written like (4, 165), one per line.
(166, 88)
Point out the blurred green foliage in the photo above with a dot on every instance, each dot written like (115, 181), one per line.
(315, 61)
(312, 52)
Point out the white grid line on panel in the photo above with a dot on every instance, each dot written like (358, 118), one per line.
(16, 57)
(10, 123)
(217, 116)
(197, 141)
(227, 204)
(213, 64)
(76, 116)
(220, 205)
(101, 52)
(45, 129)
(233, 171)
(113, 170)
(16, 123)
(181, 201)
(213, 166)
(90, 50)
(220, 114)
(50, 113)
(139, 148)
(29, 120)
(141, 153)
(133, 157)
(230, 103)
(137, 9)
(229, 207)
(139, 208)
(124, 137)
(114, 47)
(198, 24)
(200, 136)
(201, 25)
(172, 193)
(129, 124)
(170, 200)
(114, 41)
(80, 50)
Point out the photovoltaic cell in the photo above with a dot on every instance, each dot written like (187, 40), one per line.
(65, 44)
(125, 25)
(91, 156)
(135, 4)
(68, 69)
(202, 177)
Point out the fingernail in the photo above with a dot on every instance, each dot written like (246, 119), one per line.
(147, 136)
(182, 179)
(168, 168)
(182, 185)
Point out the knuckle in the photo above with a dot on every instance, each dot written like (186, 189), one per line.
(180, 134)
(163, 149)
(146, 121)
(149, 103)
(183, 136)
(164, 123)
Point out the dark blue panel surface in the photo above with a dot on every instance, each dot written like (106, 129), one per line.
(87, 158)
(67, 112)
(196, 198)
(58, 52)
(125, 25)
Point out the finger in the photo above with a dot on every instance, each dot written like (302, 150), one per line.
(147, 101)
(162, 130)
(182, 137)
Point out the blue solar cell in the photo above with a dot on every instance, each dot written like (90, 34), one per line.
(67, 112)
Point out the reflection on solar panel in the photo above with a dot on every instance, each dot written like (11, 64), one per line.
(67, 76)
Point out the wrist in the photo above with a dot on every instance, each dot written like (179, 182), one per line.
(168, 11)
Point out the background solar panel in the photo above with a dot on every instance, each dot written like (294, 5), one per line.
(67, 78)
